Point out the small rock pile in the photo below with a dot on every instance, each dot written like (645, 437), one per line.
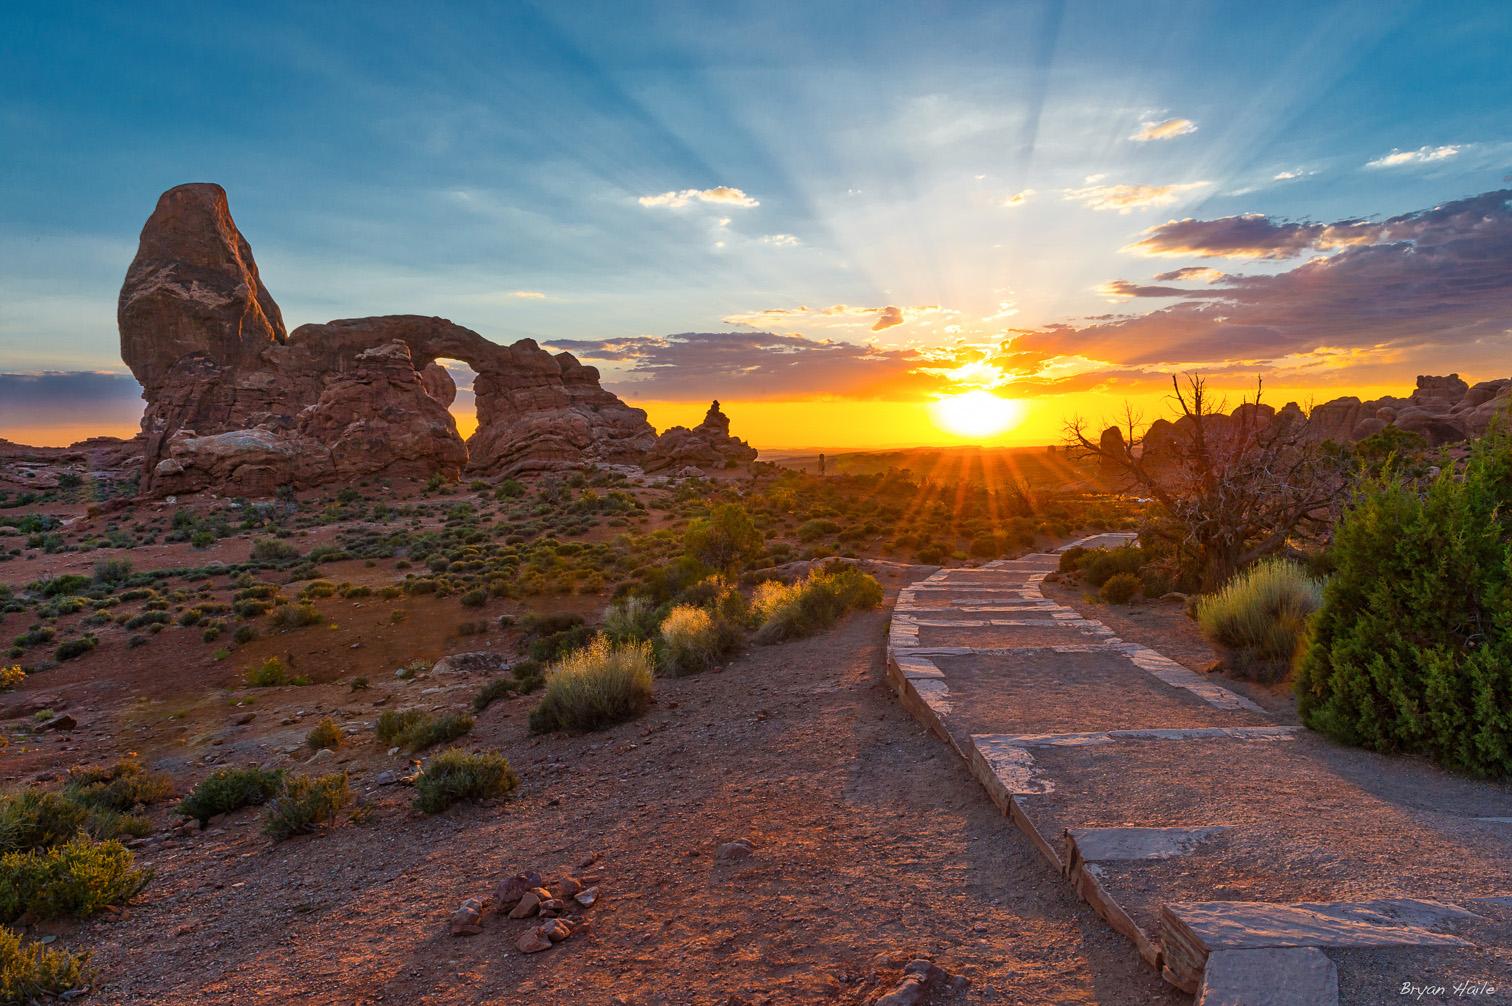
(553, 907)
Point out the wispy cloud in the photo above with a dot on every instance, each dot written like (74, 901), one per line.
(1422, 155)
(527, 295)
(1248, 236)
(780, 240)
(1016, 199)
(891, 317)
(721, 195)
(1124, 198)
(843, 316)
(1191, 273)
(1166, 129)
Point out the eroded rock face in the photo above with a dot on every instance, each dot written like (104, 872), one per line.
(234, 401)
(707, 446)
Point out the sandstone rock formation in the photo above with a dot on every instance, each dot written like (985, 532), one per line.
(236, 402)
(707, 446)
(1443, 410)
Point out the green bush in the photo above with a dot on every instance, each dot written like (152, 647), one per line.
(228, 789)
(724, 539)
(77, 879)
(38, 819)
(1071, 559)
(813, 604)
(272, 551)
(630, 620)
(324, 735)
(1412, 648)
(456, 775)
(1119, 588)
(75, 647)
(1099, 564)
(692, 640)
(120, 787)
(305, 804)
(30, 971)
(1262, 613)
(416, 729)
(112, 572)
(271, 673)
(597, 686)
(296, 616)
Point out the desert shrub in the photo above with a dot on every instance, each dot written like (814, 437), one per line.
(38, 819)
(630, 619)
(1119, 588)
(1071, 559)
(1412, 648)
(323, 735)
(812, 604)
(119, 787)
(1099, 564)
(30, 971)
(61, 586)
(692, 640)
(228, 789)
(112, 572)
(11, 677)
(76, 647)
(455, 775)
(493, 691)
(558, 644)
(416, 729)
(1262, 613)
(725, 538)
(474, 598)
(597, 686)
(305, 804)
(296, 616)
(77, 879)
(271, 673)
(272, 551)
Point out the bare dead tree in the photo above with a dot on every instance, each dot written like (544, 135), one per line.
(1230, 488)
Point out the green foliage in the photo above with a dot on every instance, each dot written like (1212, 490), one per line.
(296, 616)
(455, 775)
(75, 879)
(271, 551)
(724, 539)
(416, 729)
(1097, 565)
(112, 572)
(31, 970)
(1071, 559)
(271, 673)
(77, 647)
(1412, 648)
(324, 735)
(1119, 588)
(1392, 446)
(120, 787)
(1262, 614)
(693, 640)
(595, 687)
(38, 819)
(305, 804)
(630, 619)
(813, 604)
(228, 789)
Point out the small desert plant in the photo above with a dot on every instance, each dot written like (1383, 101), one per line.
(77, 878)
(228, 789)
(271, 673)
(493, 691)
(271, 550)
(631, 619)
(112, 571)
(1119, 588)
(692, 640)
(75, 647)
(416, 729)
(38, 819)
(30, 971)
(1098, 565)
(597, 686)
(296, 616)
(456, 775)
(1262, 613)
(119, 787)
(323, 735)
(305, 804)
(812, 604)
(11, 677)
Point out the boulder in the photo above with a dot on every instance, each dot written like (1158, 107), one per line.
(707, 446)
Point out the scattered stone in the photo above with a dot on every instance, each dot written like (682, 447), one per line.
(61, 721)
(556, 930)
(550, 908)
(244, 719)
(733, 852)
(587, 896)
(512, 889)
(527, 906)
(565, 889)
(388, 777)
(532, 941)
(467, 919)
(919, 978)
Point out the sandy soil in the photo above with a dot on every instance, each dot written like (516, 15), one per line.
(872, 847)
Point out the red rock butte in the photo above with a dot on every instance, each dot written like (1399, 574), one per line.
(236, 402)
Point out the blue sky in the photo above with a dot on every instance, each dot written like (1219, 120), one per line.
(620, 171)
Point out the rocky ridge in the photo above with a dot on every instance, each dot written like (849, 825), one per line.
(236, 402)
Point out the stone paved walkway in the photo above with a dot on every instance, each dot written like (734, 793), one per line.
(1251, 861)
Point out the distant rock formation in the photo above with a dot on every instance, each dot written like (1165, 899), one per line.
(236, 402)
(1443, 410)
(707, 446)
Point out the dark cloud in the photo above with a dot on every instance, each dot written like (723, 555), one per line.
(890, 316)
(694, 365)
(1437, 277)
(68, 402)
(1249, 236)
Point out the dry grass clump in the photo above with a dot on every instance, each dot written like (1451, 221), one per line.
(455, 775)
(416, 729)
(693, 640)
(1262, 613)
(305, 804)
(813, 604)
(325, 735)
(597, 686)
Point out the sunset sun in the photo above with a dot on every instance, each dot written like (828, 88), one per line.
(976, 414)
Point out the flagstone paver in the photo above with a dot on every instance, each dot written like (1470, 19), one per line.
(1244, 857)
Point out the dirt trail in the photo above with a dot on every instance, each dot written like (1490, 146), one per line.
(872, 846)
